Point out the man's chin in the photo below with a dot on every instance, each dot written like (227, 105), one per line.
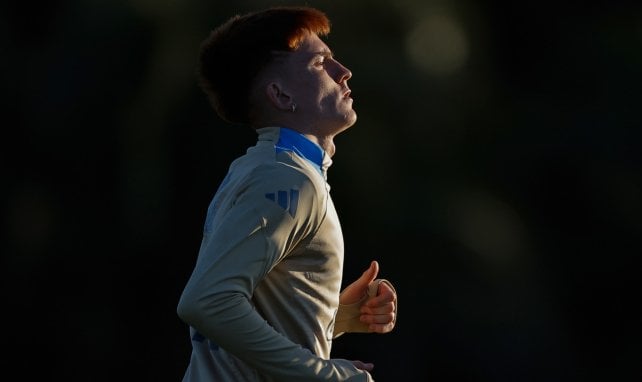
(349, 121)
(351, 118)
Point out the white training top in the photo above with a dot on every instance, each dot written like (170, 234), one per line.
(262, 299)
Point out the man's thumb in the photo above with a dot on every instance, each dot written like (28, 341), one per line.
(369, 275)
(359, 288)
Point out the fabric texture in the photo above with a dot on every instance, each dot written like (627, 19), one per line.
(262, 300)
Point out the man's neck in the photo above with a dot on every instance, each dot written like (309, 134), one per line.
(326, 143)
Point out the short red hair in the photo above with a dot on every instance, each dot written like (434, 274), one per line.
(235, 53)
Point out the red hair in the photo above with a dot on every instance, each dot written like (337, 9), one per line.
(235, 52)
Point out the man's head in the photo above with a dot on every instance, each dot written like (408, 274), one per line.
(271, 67)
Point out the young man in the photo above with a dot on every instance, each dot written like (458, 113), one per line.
(263, 302)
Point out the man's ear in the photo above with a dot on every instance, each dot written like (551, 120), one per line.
(278, 96)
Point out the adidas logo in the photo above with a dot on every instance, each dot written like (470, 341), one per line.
(287, 200)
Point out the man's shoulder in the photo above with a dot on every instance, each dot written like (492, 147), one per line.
(283, 172)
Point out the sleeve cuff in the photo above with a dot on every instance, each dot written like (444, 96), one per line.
(347, 319)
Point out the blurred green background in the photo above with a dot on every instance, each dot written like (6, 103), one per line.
(495, 172)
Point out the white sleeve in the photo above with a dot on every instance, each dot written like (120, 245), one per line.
(217, 299)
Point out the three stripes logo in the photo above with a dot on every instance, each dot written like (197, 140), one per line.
(287, 200)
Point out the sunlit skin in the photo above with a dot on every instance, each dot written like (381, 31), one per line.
(313, 80)
(378, 312)
(317, 84)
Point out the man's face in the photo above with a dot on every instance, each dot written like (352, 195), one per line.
(318, 84)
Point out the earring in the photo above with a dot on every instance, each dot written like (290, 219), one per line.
(293, 108)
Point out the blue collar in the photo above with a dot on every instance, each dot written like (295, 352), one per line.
(290, 140)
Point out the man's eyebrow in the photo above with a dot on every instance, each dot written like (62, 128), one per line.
(324, 53)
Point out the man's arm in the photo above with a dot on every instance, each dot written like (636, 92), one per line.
(216, 301)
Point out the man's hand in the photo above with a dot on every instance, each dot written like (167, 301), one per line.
(363, 365)
(380, 309)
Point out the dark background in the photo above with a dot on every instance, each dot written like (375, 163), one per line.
(495, 173)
